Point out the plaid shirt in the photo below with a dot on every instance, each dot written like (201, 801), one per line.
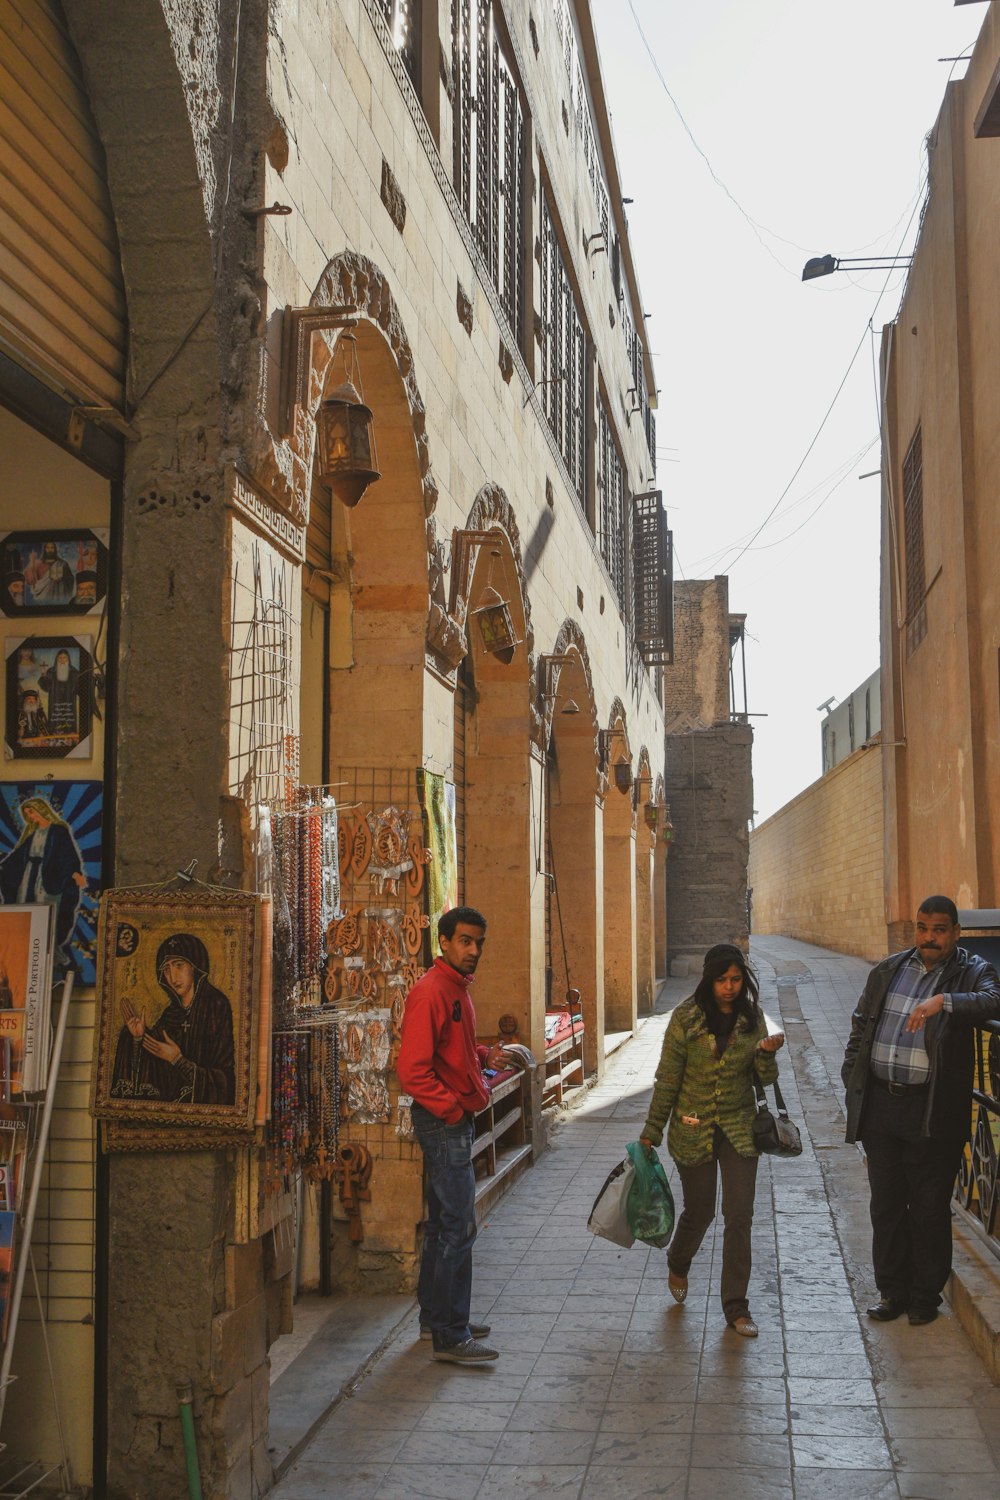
(898, 1055)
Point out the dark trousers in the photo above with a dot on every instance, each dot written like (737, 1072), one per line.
(739, 1183)
(911, 1179)
(444, 1287)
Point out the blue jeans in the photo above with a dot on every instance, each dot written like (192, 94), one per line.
(444, 1287)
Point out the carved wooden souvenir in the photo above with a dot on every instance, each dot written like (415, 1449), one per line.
(369, 985)
(419, 857)
(390, 860)
(361, 847)
(415, 923)
(344, 936)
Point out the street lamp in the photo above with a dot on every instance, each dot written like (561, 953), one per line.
(825, 265)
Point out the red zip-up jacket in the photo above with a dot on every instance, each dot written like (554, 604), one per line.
(440, 1063)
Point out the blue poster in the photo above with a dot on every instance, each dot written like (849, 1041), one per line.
(50, 852)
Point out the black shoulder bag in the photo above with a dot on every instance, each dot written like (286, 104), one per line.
(773, 1134)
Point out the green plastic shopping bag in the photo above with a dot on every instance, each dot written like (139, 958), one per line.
(650, 1202)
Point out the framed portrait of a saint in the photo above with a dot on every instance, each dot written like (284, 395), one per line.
(50, 854)
(53, 572)
(49, 696)
(178, 979)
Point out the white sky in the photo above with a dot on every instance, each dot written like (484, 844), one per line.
(814, 118)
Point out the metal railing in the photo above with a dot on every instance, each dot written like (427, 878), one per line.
(977, 1189)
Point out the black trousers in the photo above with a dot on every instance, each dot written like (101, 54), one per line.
(739, 1182)
(911, 1179)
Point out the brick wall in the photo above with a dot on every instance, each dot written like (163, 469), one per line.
(816, 866)
(697, 685)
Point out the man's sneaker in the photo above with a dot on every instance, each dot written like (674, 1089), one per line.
(478, 1330)
(469, 1352)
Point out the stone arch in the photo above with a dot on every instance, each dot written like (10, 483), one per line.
(284, 465)
(501, 780)
(573, 792)
(645, 908)
(619, 876)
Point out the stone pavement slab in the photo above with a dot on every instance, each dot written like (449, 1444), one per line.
(605, 1385)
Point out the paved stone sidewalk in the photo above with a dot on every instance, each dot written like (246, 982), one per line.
(605, 1385)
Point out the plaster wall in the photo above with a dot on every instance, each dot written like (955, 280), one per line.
(816, 868)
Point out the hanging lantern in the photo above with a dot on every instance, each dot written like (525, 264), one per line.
(667, 830)
(650, 812)
(346, 460)
(623, 776)
(496, 625)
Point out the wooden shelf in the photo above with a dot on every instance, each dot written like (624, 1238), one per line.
(502, 1145)
(557, 1071)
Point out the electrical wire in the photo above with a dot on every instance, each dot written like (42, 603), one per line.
(759, 229)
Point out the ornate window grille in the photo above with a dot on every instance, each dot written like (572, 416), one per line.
(563, 382)
(403, 18)
(652, 580)
(913, 540)
(488, 146)
(610, 501)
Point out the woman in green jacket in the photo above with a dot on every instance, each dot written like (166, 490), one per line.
(704, 1085)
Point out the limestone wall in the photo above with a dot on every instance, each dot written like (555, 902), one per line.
(816, 866)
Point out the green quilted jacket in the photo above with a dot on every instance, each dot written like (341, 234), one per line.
(692, 1082)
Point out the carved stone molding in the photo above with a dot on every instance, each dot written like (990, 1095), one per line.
(446, 626)
(571, 638)
(283, 467)
(463, 305)
(392, 197)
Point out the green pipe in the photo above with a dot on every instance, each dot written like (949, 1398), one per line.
(185, 1396)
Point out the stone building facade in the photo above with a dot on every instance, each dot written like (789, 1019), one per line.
(940, 619)
(709, 785)
(439, 181)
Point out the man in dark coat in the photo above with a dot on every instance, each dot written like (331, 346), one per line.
(908, 1071)
(188, 1057)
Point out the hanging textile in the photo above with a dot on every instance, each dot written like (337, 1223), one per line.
(438, 802)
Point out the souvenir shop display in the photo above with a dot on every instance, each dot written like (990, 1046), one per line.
(26, 945)
(305, 873)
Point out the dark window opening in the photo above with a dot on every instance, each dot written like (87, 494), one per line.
(403, 18)
(652, 580)
(913, 542)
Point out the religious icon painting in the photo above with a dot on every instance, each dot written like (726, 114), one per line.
(49, 696)
(50, 855)
(178, 1004)
(53, 572)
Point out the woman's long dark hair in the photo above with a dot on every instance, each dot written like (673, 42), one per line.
(717, 961)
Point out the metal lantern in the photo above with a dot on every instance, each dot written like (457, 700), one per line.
(623, 775)
(650, 812)
(346, 460)
(496, 625)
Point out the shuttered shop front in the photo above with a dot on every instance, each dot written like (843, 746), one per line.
(62, 302)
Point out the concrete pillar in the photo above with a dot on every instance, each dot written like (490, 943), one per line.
(619, 912)
(644, 926)
(575, 828)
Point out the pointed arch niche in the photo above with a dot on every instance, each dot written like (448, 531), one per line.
(374, 591)
(574, 928)
(618, 833)
(645, 847)
(501, 781)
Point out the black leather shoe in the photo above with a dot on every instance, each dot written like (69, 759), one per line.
(887, 1309)
(921, 1315)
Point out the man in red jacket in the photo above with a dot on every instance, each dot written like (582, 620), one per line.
(441, 1066)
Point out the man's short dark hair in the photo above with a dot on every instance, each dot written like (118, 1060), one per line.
(939, 906)
(450, 920)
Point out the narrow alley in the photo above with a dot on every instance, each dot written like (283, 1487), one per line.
(604, 1385)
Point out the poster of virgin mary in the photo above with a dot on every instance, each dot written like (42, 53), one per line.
(178, 975)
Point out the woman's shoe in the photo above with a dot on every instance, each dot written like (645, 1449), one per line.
(745, 1327)
(677, 1286)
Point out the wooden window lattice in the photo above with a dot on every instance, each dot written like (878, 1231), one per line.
(652, 580)
(563, 356)
(611, 502)
(488, 151)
